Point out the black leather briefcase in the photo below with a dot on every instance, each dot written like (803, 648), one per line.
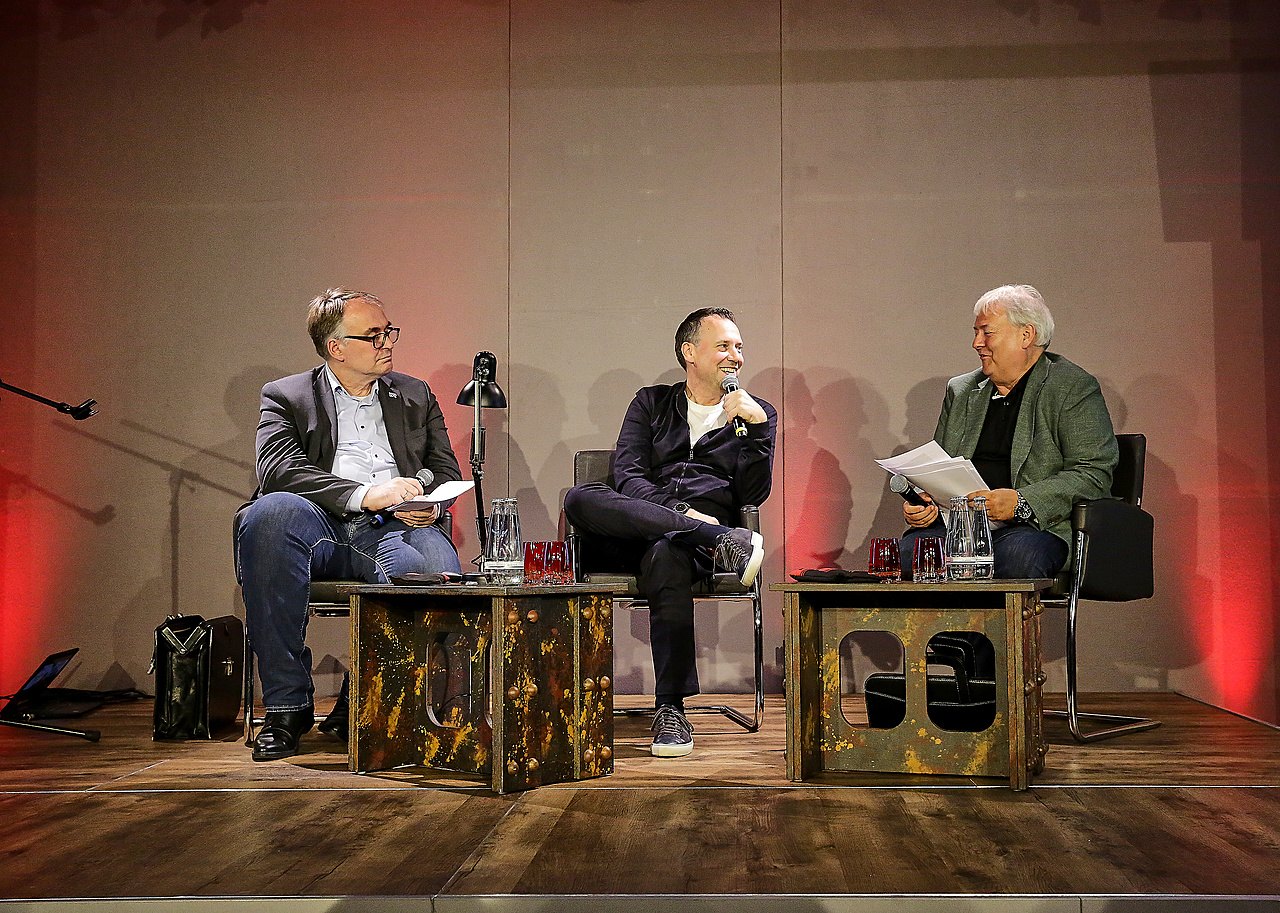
(199, 669)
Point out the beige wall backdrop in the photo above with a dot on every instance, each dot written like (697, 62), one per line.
(559, 183)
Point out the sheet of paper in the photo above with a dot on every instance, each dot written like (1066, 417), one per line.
(446, 492)
(932, 470)
(921, 456)
(947, 482)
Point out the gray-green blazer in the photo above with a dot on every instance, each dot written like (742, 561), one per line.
(1064, 448)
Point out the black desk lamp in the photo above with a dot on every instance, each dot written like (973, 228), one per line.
(481, 392)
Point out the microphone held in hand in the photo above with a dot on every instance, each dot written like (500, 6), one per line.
(425, 476)
(728, 385)
(902, 487)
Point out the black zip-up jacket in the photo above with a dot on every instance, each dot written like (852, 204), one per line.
(653, 460)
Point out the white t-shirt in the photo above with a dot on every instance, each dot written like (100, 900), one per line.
(703, 420)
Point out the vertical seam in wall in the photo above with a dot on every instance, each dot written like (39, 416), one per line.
(782, 267)
(510, 95)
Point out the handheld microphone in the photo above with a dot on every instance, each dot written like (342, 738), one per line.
(425, 476)
(901, 486)
(728, 385)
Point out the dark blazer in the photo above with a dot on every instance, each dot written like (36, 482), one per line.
(298, 432)
(654, 462)
(1064, 449)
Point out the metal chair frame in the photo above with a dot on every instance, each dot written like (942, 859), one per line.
(586, 466)
(1127, 488)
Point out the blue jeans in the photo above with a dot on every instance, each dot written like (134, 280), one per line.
(1021, 551)
(282, 542)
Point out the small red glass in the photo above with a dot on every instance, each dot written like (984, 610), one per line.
(557, 565)
(535, 563)
(883, 560)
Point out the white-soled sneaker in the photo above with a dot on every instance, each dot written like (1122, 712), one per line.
(672, 734)
(742, 552)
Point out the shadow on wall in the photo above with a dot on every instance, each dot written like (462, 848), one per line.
(607, 401)
(1145, 662)
(540, 398)
(845, 415)
(195, 573)
(85, 17)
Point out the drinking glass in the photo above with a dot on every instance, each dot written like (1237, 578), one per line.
(883, 561)
(929, 565)
(557, 566)
(535, 563)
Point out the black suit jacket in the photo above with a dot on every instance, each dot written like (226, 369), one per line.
(298, 436)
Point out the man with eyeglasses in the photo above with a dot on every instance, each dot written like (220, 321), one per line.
(336, 447)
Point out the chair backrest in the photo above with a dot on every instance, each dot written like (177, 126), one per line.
(592, 466)
(1126, 484)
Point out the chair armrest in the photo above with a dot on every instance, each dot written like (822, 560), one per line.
(1117, 559)
(750, 516)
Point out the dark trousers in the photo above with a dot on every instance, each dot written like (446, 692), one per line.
(1021, 552)
(667, 552)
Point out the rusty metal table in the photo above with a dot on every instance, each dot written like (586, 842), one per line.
(820, 615)
(526, 701)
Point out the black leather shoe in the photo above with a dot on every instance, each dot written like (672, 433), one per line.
(336, 723)
(280, 734)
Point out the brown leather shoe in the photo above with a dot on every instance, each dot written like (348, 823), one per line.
(281, 732)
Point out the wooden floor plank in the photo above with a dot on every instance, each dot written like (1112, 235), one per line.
(1188, 809)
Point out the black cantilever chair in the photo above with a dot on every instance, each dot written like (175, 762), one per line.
(1114, 562)
(596, 466)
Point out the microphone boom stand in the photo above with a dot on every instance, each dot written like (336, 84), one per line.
(79, 413)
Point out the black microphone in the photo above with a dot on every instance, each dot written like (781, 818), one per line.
(901, 486)
(728, 385)
(425, 476)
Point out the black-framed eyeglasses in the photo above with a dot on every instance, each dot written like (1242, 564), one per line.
(389, 335)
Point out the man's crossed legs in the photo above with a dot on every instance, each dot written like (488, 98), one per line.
(667, 551)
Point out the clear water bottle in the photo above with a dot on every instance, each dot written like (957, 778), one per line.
(503, 549)
(984, 556)
(969, 552)
(960, 557)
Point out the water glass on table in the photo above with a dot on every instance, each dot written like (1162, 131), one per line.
(883, 560)
(929, 565)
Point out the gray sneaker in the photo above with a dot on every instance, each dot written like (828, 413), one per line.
(742, 552)
(672, 734)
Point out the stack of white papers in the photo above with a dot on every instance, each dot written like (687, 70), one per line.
(930, 469)
(447, 491)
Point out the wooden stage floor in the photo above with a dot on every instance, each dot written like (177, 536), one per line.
(1186, 816)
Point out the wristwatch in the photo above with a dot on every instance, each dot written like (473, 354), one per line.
(1023, 512)
(680, 507)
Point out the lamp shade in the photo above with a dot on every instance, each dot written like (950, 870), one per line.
(491, 395)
